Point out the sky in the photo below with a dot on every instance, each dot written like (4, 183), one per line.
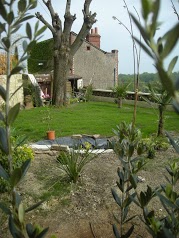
(113, 35)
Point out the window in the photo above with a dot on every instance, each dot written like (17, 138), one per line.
(88, 48)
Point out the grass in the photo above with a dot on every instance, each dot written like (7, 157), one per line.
(89, 118)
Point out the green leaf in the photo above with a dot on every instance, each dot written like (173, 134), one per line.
(16, 91)
(13, 112)
(39, 32)
(15, 177)
(116, 197)
(24, 19)
(25, 45)
(3, 140)
(5, 209)
(3, 173)
(21, 213)
(29, 229)
(2, 27)
(6, 42)
(28, 31)
(129, 232)
(147, 50)
(116, 232)
(133, 181)
(165, 80)
(3, 92)
(160, 46)
(43, 233)
(16, 28)
(3, 12)
(1, 117)
(141, 29)
(120, 186)
(15, 232)
(145, 9)
(171, 38)
(25, 166)
(172, 65)
(16, 70)
(34, 206)
(155, 9)
(36, 26)
(142, 199)
(33, 4)
(165, 201)
(22, 5)
(17, 199)
(10, 18)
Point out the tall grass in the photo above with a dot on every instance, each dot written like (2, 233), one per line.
(89, 118)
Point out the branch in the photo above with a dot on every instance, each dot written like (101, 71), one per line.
(40, 17)
(89, 20)
(175, 11)
(69, 19)
(48, 4)
(56, 22)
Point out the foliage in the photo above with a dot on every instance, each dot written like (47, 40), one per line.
(88, 92)
(9, 25)
(47, 117)
(162, 98)
(154, 143)
(125, 146)
(73, 162)
(41, 53)
(120, 92)
(160, 49)
(168, 225)
(34, 91)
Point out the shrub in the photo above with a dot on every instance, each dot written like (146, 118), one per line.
(20, 155)
(73, 162)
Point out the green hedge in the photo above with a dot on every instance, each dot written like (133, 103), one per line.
(41, 53)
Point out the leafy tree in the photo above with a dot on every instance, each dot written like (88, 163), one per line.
(160, 96)
(63, 49)
(120, 91)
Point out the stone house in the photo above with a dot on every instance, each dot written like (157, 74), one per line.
(90, 63)
(95, 65)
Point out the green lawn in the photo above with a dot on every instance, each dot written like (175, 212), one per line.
(89, 118)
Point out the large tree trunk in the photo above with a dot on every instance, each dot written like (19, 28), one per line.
(161, 121)
(60, 77)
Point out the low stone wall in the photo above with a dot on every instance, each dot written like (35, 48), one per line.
(15, 83)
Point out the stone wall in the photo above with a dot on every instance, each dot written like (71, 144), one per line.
(96, 66)
(16, 82)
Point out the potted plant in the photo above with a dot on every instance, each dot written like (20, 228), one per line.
(47, 119)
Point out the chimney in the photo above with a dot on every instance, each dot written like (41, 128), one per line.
(94, 37)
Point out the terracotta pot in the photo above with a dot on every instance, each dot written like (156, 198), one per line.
(51, 135)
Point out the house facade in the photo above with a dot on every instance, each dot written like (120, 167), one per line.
(91, 64)
(95, 65)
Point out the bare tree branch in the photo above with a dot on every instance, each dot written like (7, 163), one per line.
(40, 17)
(69, 19)
(175, 11)
(89, 20)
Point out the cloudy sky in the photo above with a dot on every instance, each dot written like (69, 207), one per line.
(113, 35)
